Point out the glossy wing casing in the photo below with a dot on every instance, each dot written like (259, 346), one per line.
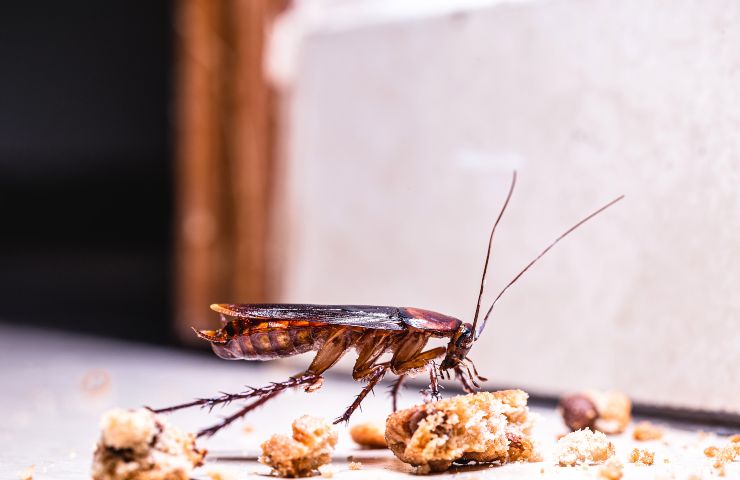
(364, 316)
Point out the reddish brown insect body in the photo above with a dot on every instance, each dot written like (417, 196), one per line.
(267, 331)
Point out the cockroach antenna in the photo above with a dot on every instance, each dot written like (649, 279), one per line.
(542, 254)
(488, 252)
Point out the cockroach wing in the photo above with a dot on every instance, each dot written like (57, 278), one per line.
(428, 320)
(364, 316)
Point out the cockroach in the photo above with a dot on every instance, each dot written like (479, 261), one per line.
(268, 331)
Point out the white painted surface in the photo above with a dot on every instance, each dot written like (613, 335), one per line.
(400, 136)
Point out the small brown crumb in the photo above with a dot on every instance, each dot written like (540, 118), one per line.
(138, 444)
(368, 435)
(645, 431)
(608, 412)
(247, 428)
(301, 456)
(583, 447)
(221, 474)
(711, 452)
(355, 466)
(642, 457)
(735, 439)
(27, 474)
(480, 427)
(612, 469)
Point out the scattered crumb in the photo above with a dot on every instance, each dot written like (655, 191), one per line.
(606, 411)
(301, 456)
(693, 476)
(481, 427)
(138, 444)
(27, 474)
(642, 457)
(221, 474)
(355, 466)
(369, 435)
(727, 454)
(665, 460)
(542, 470)
(645, 431)
(735, 439)
(612, 469)
(583, 447)
(247, 428)
(711, 452)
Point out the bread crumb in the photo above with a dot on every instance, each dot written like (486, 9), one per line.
(481, 427)
(27, 474)
(95, 382)
(711, 451)
(368, 435)
(221, 474)
(583, 447)
(645, 431)
(301, 456)
(735, 439)
(247, 428)
(612, 469)
(355, 465)
(138, 444)
(642, 457)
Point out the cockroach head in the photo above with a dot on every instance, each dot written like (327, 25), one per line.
(459, 346)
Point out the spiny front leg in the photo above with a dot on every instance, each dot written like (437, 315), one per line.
(433, 382)
(373, 379)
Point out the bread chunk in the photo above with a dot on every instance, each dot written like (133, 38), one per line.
(583, 447)
(140, 445)
(311, 446)
(481, 427)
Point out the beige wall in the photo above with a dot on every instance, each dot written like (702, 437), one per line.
(399, 138)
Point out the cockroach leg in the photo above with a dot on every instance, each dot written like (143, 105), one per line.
(475, 371)
(395, 389)
(433, 382)
(373, 380)
(207, 432)
(460, 374)
(310, 379)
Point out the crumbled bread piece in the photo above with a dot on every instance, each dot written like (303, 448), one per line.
(481, 427)
(139, 445)
(247, 428)
(301, 456)
(583, 447)
(27, 474)
(609, 412)
(645, 431)
(612, 469)
(369, 435)
(735, 439)
(355, 465)
(642, 457)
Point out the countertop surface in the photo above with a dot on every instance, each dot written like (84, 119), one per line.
(56, 386)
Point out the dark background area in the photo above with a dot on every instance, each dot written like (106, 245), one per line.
(85, 167)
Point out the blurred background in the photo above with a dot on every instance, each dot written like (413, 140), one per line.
(160, 157)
